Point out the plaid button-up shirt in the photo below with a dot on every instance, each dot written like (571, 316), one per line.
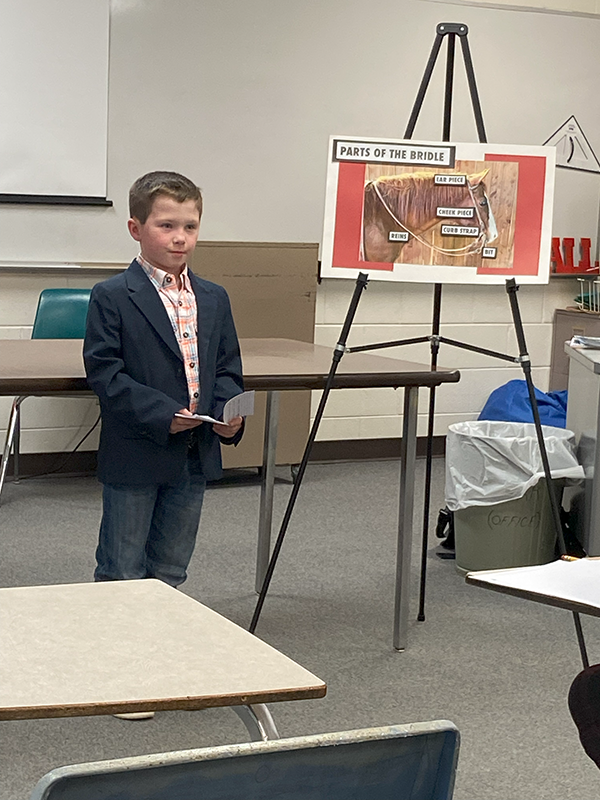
(180, 305)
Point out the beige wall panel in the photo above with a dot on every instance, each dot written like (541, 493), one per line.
(272, 287)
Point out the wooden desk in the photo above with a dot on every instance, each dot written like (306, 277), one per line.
(104, 648)
(38, 367)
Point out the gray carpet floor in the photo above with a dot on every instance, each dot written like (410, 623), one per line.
(498, 667)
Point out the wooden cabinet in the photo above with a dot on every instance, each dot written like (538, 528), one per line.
(272, 287)
(568, 323)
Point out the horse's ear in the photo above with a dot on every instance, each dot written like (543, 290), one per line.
(477, 178)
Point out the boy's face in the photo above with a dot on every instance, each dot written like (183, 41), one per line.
(169, 234)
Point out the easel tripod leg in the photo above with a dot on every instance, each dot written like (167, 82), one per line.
(435, 349)
(437, 43)
(450, 30)
(512, 289)
(339, 350)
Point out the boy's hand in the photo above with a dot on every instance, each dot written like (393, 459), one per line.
(230, 429)
(178, 424)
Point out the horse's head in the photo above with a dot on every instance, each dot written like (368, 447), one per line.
(482, 203)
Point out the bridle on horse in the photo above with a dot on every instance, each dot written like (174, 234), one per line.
(476, 246)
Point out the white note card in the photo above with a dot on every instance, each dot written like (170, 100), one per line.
(242, 405)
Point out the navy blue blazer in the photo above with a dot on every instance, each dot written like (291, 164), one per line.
(134, 364)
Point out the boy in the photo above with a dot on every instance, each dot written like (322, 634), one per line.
(160, 342)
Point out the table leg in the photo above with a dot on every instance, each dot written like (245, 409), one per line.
(17, 442)
(258, 721)
(265, 519)
(10, 436)
(405, 515)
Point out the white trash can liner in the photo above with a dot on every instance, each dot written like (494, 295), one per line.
(489, 462)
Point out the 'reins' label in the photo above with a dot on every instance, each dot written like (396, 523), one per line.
(398, 236)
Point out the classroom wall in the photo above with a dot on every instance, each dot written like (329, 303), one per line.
(242, 95)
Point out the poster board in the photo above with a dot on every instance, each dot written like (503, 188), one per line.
(432, 212)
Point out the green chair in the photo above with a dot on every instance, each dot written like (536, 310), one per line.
(61, 314)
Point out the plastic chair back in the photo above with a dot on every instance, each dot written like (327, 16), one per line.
(397, 762)
(61, 314)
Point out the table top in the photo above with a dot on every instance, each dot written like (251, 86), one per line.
(588, 357)
(573, 585)
(48, 366)
(104, 648)
(289, 364)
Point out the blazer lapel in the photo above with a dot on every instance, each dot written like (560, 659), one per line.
(146, 298)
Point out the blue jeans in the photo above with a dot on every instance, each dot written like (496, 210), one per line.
(149, 531)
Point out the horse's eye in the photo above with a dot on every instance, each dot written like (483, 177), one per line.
(483, 202)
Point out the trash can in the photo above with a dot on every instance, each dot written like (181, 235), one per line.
(495, 486)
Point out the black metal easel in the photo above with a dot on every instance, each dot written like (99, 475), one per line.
(451, 31)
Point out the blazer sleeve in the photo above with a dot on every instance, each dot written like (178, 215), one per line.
(229, 379)
(146, 411)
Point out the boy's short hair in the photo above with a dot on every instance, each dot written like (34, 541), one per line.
(147, 188)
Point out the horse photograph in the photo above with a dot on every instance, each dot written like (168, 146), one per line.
(419, 216)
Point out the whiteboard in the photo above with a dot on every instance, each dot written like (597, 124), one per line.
(53, 97)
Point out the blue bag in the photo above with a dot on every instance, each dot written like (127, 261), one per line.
(510, 403)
